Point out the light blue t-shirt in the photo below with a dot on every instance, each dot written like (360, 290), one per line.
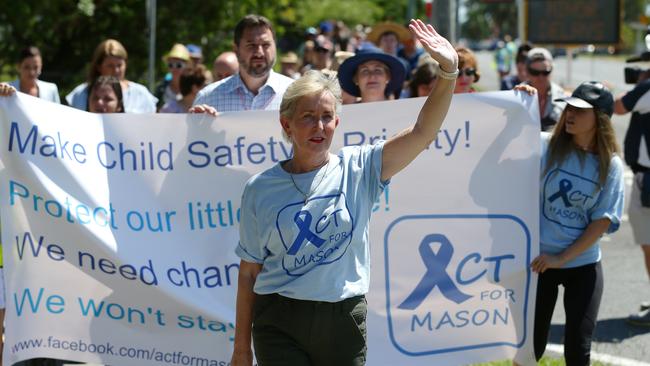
(137, 98)
(318, 250)
(571, 198)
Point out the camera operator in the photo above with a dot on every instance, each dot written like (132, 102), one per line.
(637, 156)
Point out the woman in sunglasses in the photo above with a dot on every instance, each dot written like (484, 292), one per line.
(539, 66)
(169, 90)
(468, 71)
(110, 59)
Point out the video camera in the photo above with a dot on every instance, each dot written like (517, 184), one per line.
(632, 73)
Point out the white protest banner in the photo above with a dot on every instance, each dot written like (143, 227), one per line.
(119, 232)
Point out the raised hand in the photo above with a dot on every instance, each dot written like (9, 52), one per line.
(436, 45)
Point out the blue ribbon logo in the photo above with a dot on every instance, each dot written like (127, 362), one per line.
(564, 189)
(305, 233)
(436, 275)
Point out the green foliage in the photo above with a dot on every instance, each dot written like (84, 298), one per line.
(545, 361)
(67, 32)
(489, 19)
(632, 9)
(312, 12)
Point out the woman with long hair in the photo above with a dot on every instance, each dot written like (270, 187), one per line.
(581, 199)
(109, 59)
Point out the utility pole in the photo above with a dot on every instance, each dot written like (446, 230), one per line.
(151, 17)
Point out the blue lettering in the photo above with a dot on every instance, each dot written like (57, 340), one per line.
(463, 320)
(353, 138)
(90, 306)
(503, 318)
(256, 149)
(108, 146)
(416, 321)
(320, 229)
(476, 258)
(24, 192)
(33, 305)
(185, 321)
(190, 149)
(446, 319)
(239, 146)
(476, 316)
(578, 196)
(31, 138)
(497, 266)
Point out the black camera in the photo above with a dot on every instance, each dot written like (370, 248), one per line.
(632, 73)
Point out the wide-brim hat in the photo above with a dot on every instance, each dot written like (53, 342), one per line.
(591, 94)
(289, 58)
(370, 53)
(378, 29)
(178, 51)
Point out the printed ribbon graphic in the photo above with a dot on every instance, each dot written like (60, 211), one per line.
(303, 224)
(436, 275)
(565, 187)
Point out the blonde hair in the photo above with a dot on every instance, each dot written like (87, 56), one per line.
(312, 83)
(109, 47)
(561, 144)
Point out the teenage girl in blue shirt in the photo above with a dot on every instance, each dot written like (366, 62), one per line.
(581, 199)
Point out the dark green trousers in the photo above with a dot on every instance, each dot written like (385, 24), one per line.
(309, 333)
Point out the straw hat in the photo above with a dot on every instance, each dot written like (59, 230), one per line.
(289, 58)
(178, 51)
(378, 29)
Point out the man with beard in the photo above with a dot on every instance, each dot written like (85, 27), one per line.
(256, 86)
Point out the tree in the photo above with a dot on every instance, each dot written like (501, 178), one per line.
(67, 31)
(489, 19)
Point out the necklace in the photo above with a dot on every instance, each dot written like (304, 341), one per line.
(307, 195)
(582, 148)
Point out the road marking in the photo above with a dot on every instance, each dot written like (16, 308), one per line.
(601, 357)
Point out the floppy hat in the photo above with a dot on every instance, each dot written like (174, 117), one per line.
(591, 94)
(178, 51)
(380, 28)
(369, 53)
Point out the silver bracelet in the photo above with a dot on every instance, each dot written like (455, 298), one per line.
(447, 75)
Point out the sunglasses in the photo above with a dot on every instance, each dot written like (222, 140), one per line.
(467, 72)
(176, 65)
(534, 72)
